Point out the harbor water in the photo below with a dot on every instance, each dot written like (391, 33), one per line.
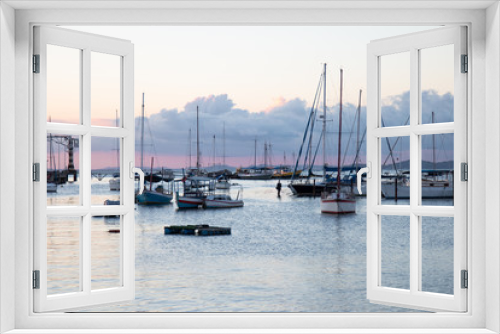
(282, 255)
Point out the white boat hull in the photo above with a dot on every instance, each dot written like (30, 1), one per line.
(389, 191)
(114, 184)
(338, 203)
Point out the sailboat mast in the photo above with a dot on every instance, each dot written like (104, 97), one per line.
(117, 144)
(265, 154)
(142, 133)
(324, 122)
(224, 144)
(197, 140)
(189, 148)
(357, 132)
(433, 146)
(339, 169)
(255, 153)
(214, 152)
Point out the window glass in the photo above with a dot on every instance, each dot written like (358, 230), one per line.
(106, 252)
(105, 89)
(63, 254)
(105, 161)
(63, 170)
(63, 84)
(437, 84)
(395, 252)
(395, 89)
(437, 254)
(395, 167)
(438, 174)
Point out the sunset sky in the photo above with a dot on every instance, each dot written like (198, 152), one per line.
(258, 82)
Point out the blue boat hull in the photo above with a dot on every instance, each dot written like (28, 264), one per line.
(153, 198)
(187, 202)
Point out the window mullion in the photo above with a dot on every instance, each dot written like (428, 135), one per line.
(414, 170)
(86, 173)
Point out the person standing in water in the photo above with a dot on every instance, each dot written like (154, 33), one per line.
(278, 188)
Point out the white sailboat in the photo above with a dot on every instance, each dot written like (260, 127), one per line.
(150, 197)
(340, 199)
(223, 200)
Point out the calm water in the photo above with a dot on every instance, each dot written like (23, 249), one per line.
(283, 256)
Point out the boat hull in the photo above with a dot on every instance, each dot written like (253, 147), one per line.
(51, 187)
(338, 203)
(114, 184)
(153, 198)
(222, 185)
(185, 202)
(257, 177)
(287, 175)
(389, 192)
(220, 204)
(307, 188)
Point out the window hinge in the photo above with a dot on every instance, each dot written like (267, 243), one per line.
(36, 172)
(36, 279)
(36, 63)
(465, 279)
(464, 171)
(465, 64)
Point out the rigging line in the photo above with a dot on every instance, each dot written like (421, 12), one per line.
(152, 140)
(394, 146)
(349, 140)
(313, 121)
(311, 114)
(390, 151)
(359, 148)
(443, 150)
(315, 153)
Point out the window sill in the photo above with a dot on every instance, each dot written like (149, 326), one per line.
(249, 331)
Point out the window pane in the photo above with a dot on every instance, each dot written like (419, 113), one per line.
(395, 252)
(395, 166)
(437, 254)
(63, 84)
(105, 171)
(63, 254)
(437, 83)
(105, 89)
(395, 89)
(106, 252)
(63, 158)
(437, 169)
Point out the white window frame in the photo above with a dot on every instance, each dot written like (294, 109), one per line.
(85, 44)
(412, 44)
(484, 212)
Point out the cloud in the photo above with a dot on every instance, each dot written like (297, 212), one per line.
(282, 125)
(395, 109)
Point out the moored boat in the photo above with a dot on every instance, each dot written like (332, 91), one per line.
(216, 201)
(114, 184)
(337, 202)
(189, 201)
(254, 173)
(51, 187)
(339, 199)
(149, 197)
(223, 200)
